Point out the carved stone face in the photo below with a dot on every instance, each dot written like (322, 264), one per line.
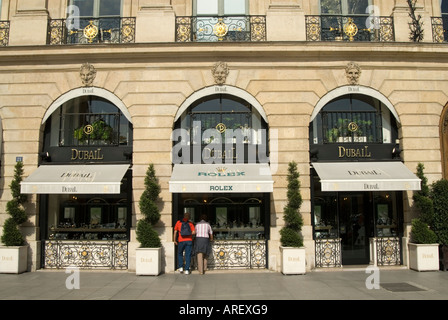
(220, 72)
(353, 72)
(87, 74)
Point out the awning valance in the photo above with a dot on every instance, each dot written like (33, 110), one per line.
(75, 179)
(221, 178)
(366, 176)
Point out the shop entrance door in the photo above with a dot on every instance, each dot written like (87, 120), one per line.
(354, 217)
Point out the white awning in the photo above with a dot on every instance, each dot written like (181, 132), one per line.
(221, 178)
(366, 176)
(75, 179)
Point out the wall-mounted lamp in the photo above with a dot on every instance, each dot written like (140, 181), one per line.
(396, 150)
(45, 156)
(314, 154)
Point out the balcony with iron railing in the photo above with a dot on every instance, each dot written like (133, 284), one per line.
(349, 28)
(4, 33)
(91, 30)
(440, 29)
(221, 29)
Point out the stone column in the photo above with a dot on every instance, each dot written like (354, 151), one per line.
(402, 21)
(29, 23)
(155, 21)
(285, 21)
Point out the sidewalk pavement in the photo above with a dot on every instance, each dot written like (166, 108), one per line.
(398, 284)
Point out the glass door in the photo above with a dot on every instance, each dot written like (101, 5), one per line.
(354, 217)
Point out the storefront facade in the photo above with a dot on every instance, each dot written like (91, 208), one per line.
(222, 170)
(84, 182)
(220, 114)
(357, 180)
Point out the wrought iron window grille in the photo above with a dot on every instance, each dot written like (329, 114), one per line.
(238, 255)
(221, 29)
(93, 129)
(351, 127)
(388, 251)
(86, 254)
(4, 33)
(91, 30)
(349, 28)
(440, 29)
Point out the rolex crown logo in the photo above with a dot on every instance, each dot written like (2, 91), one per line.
(221, 169)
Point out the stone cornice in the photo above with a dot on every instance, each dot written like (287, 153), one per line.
(251, 52)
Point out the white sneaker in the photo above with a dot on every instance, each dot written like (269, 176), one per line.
(180, 270)
(187, 272)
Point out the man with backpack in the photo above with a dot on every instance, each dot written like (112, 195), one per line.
(183, 238)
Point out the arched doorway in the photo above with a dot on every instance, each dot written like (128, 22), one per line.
(357, 179)
(223, 172)
(84, 182)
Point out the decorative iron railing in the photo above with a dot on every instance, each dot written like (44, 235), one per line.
(86, 254)
(226, 29)
(328, 253)
(348, 127)
(4, 33)
(91, 30)
(440, 29)
(388, 251)
(238, 254)
(349, 28)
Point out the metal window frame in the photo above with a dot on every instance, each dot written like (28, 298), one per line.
(221, 11)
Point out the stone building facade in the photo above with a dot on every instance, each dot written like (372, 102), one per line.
(295, 57)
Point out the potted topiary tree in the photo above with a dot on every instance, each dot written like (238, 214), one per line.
(293, 252)
(423, 247)
(439, 222)
(149, 255)
(13, 255)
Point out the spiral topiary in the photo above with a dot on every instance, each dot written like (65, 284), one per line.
(146, 235)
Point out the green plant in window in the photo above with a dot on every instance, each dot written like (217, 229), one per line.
(80, 135)
(99, 130)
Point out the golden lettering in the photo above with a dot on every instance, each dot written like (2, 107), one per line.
(87, 155)
(354, 152)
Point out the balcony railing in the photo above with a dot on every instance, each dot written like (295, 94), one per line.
(4, 33)
(214, 29)
(440, 29)
(351, 127)
(349, 28)
(91, 30)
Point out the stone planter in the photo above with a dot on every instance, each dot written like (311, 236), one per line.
(148, 261)
(293, 260)
(13, 259)
(424, 257)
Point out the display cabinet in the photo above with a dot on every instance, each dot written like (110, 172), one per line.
(94, 220)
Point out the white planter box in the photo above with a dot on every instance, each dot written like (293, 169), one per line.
(148, 261)
(293, 260)
(424, 257)
(13, 259)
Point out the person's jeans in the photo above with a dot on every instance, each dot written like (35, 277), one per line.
(186, 246)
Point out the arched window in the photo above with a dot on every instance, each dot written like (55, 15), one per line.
(223, 112)
(225, 126)
(88, 121)
(354, 118)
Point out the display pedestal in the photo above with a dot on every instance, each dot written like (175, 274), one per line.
(293, 260)
(148, 261)
(13, 259)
